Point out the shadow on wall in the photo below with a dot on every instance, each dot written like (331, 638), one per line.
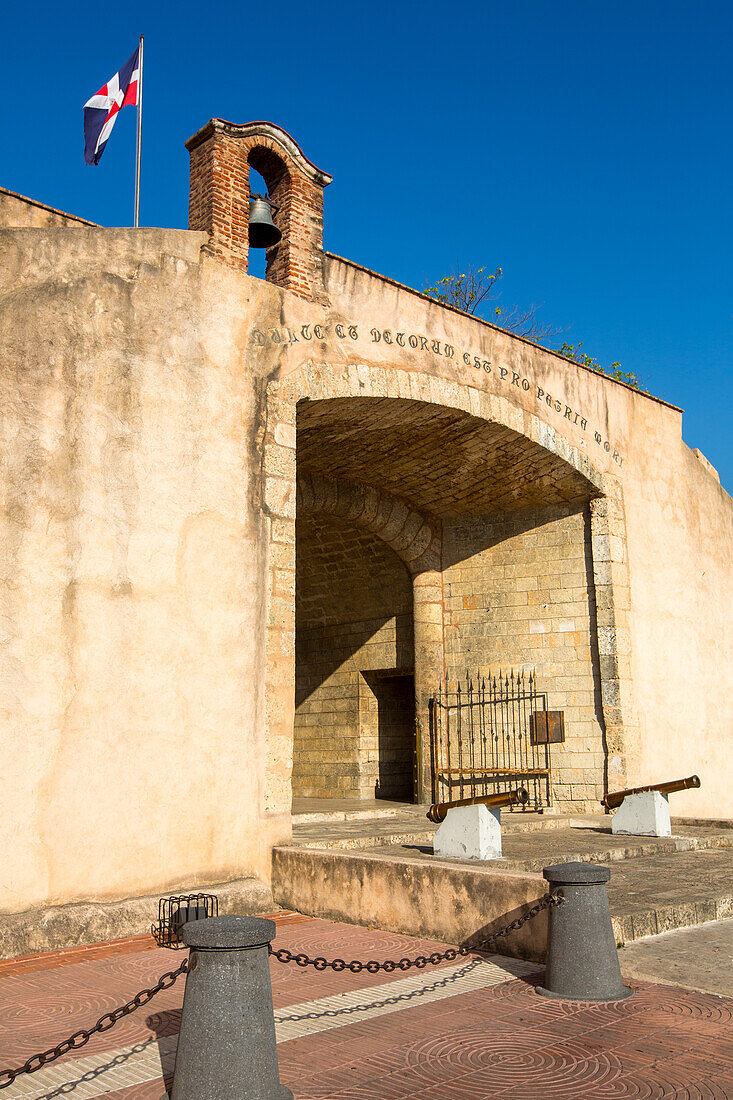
(353, 604)
(394, 698)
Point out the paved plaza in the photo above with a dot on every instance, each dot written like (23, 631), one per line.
(468, 1030)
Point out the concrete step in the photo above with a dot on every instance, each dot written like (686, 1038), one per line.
(402, 824)
(527, 845)
(657, 883)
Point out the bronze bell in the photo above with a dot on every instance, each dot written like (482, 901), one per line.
(263, 233)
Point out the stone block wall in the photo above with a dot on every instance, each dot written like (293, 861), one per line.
(353, 616)
(519, 594)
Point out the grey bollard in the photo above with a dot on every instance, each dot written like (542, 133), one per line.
(226, 1046)
(582, 958)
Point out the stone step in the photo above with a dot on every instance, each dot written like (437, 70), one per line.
(657, 883)
(309, 812)
(330, 817)
(349, 836)
(404, 824)
(587, 839)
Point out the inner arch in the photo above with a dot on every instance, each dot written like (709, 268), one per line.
(442, 460)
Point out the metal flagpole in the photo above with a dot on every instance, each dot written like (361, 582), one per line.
(139, 131)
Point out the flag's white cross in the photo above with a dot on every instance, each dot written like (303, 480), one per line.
(111, 98)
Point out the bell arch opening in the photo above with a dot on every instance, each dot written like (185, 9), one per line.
(268, 168)
(256, 257)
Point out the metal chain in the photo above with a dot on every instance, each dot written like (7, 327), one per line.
(104, 1023)
(421, 961)
(109, 1019)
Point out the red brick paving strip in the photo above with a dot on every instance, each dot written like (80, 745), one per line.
(503, 1041)
(127, 946)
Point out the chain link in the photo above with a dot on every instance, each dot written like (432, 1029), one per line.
(421, 961)
(104, 1023)
(109, 1019)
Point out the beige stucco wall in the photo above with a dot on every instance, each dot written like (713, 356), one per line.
(147, 598)
(17, 211)
(680, 545)
(133, 570)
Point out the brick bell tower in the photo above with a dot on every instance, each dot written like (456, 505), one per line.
(221, 155)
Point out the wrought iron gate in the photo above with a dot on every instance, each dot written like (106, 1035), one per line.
(481, 739)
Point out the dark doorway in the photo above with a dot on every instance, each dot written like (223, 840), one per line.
(394, 693)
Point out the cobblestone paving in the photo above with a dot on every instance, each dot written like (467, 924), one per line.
(464, 1031)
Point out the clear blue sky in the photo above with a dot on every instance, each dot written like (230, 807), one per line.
(586, 148)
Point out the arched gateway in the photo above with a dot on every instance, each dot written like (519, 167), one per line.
(249, 526)
(495, 529)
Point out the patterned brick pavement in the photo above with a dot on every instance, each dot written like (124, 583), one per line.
(470, 1030)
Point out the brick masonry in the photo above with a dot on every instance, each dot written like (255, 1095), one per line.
(221, 155)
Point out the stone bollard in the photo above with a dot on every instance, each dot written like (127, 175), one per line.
(582, 958)
(226, 1046)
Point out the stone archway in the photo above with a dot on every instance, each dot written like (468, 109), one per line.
(565, 471)
(415, 538)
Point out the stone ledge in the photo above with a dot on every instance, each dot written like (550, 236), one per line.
(450, 902)
(58, 926)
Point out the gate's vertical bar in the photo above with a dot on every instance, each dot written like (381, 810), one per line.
(535, 749)
(472, 754)
(482, 721)
(459, 730)
(505, 721)
(495, 748)
(518, 712)
(446, 716)
(516, 735)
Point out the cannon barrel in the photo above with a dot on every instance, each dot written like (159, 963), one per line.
(438, 811)
(614, 800)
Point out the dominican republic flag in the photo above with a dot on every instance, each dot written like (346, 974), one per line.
(101, 110)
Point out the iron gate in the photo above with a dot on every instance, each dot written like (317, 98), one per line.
(481, 739)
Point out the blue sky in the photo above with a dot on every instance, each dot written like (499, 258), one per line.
(585, 148)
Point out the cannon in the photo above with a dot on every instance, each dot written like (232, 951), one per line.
(611, 801)
(471, 827)
(439, 810)
(644, 811)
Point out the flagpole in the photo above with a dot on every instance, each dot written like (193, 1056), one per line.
(139, 132)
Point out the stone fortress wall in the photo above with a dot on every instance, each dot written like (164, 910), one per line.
(19, 212)
(166, 419)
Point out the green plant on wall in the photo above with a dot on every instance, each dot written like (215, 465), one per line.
(573, 351)
(472, 290)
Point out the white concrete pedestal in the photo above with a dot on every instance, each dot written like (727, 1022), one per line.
(645, 814)
(470, 832)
